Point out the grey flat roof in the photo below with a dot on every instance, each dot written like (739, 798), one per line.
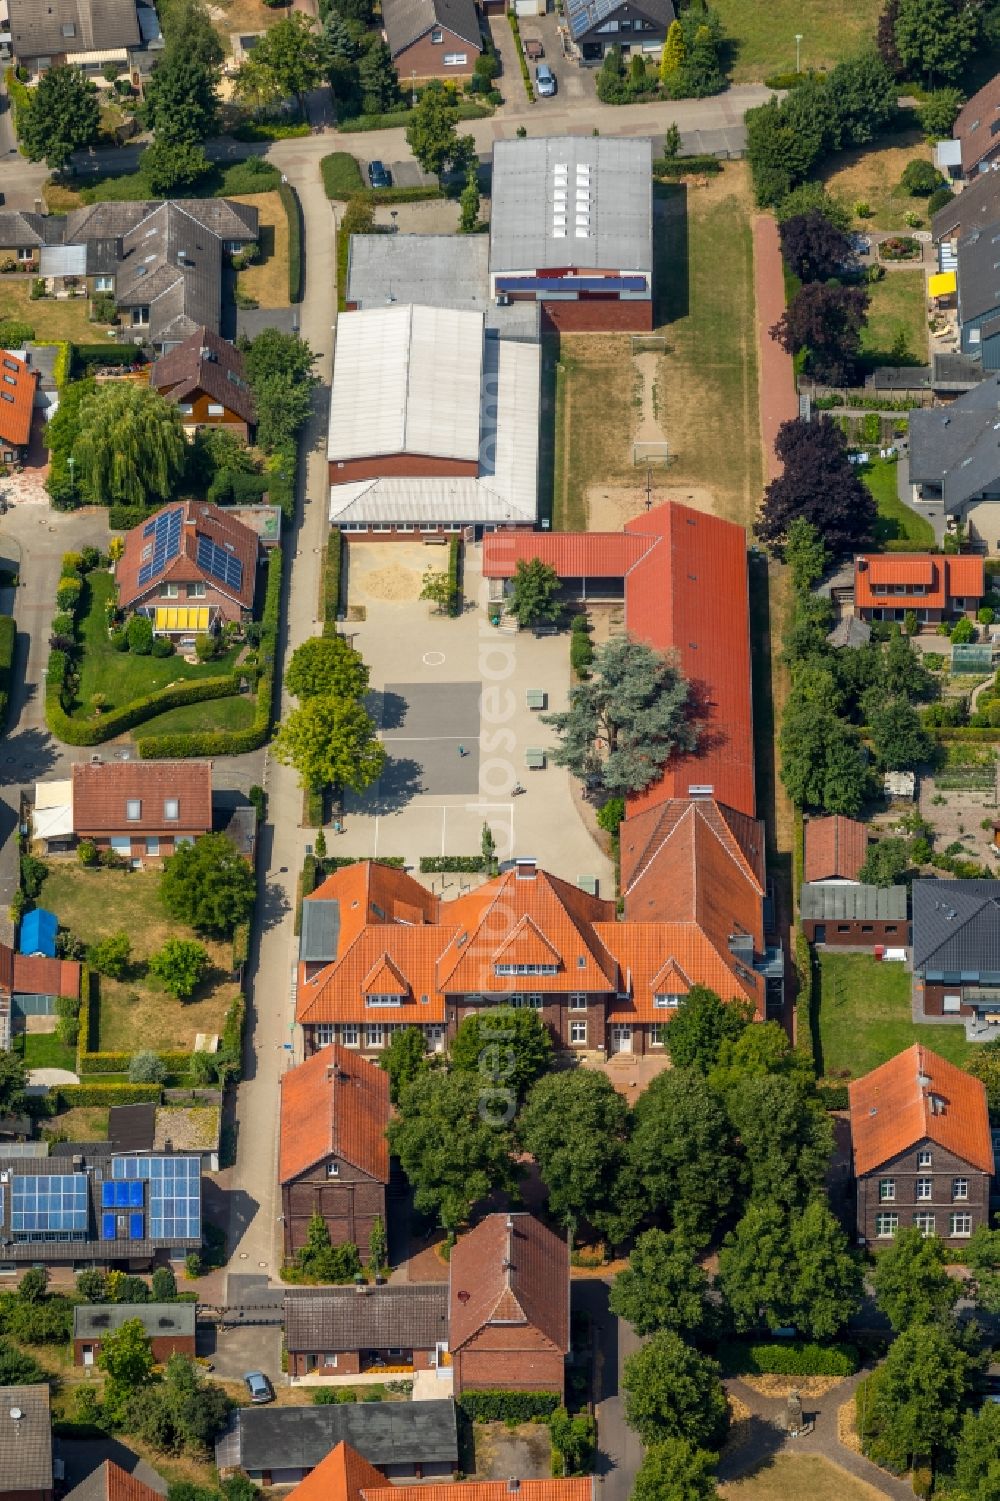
(438, 271)
(320, 930)
(384, 1433)
(25, 1441)
(620, 236)
(98, 1320)
(379, 1318)
(827, 902)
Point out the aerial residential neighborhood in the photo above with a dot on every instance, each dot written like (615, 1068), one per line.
(500, 713)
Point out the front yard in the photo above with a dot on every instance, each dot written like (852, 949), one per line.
(871, 175)
(898, 306)
(267, 281)
(51, 318)
(763, 36)
(136, 1012)
(862, 1016)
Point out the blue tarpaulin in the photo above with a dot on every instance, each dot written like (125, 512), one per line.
(38, 933)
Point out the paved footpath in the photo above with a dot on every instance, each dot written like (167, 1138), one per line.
(778, 400)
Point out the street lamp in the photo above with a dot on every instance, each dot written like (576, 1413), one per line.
(72, 474)
(798, 44)
(413, 88)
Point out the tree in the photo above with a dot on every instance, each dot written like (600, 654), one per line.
(173, 168)
(825, 321)
(453, 1140)
(783, 145)
(182, 103)
(126, 1355)
(436, 587)
(63, 116)
(431, 134)
(19, 1369)
(920, 178)
(885, 39)
(813, 195)
(674, 51)
(786, 1137)
(903, 674)
(92, 1285)
(209, 885)
(489, 850)
(779, 1268)
(864, 93)
(663, 1287)
(287, 60)
(33, 1284)
(146, 1068)
(13, 1082)
(672, 1392)
(700, 1025)
(938, 113)
(331, 740)
(378, 79)
(324, 665)
(827, 1280)
(936, 38)
(676, 1470)
(403, 1059)
(977, 1454)
(821, 758)
(273, 352)
(324, 1262)
(681, 1153)
(916, 1397)
(130, 447)
(982, 1256)
(469, 204)
(180, 966)
(164, 1285)
(818, 484)
(506, 1045)
(183, 1413)
(378, 1246)
(813, 248)
(885, 862)
(672, 139)
(910, 1281)
(575, 1125)
(700, 72)
(898, 738)
(627, 720)
(534, 592)
(760, 1050)
(110, 956)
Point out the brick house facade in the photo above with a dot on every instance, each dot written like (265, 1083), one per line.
(170, 1328)
(344, 1331)
(956, 963)
(190, 568)
(142, 809)
(205, 376)
(432, 38)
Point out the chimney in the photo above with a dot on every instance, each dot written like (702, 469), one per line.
(525, 868)
(513, 1485)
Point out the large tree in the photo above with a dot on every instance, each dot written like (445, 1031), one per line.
(625, 723)
(982, 1256)
(663, 1287)
(324, 665)
(63, 117)
(431, 133)
(454, 1143)
(761, 1049)
(534, 592)
(673, 1392)
(504, 1045)
(179, 966)
(886, 861)
(818, 484)
(916, 1397)
(183, 1413)
(865, 96)
(824, 321)
(822, 764)
(977, 1455)
(898, 738)
(910, 1281)
(130, 447)
(127, 1355)
(936, 38)
(378, 78)
(279, 368)
(13, 1082)
(780, 1268)
(208, 885)
(173, 168)
(404, 1059)
(575, 1125)
(814, 249)
(676, 1470)
(287, 60)
(182, 103)
(331, 741)
(782, 147)
(701, 1024)
(785, 1134)
(682, 1153)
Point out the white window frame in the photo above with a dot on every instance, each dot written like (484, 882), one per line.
(25, 252)
(323, 1034)
(153, 845)
(925, 1222)
(171, 591)
(350, 1034)
(577, 1002)
(186, 408)
(658, 1035)
(887, 1190)
(886, 1225)
(925, 1159)
(329, 1360)
(121, 844)
(959, 1189)
(963, 1218)
(578, 1034)
(456, 59)
(925, 1190)
(437, 37)
(374, 1035)
(140, 316)
(133, 810)
(383, 1000)
(216, 409)
(171, 809)
(667, 1000)
(333, 1170)
(104, 283)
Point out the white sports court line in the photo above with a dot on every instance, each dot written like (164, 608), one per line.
(477, 807)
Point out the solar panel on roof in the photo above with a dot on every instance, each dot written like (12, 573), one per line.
(174, 1193)
(135, 1227)
(53, 1203)
(107, 1226)
(220, 563)
(166, 534)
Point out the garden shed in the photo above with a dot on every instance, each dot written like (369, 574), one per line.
(38, 933)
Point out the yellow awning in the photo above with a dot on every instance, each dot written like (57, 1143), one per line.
(194, 619)
(942, 284)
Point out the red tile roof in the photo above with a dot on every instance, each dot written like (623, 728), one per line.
(510, 1269)
(205, 362)
(116, 1484)
(835, 848)
(345, 1476)
(102, 791)
(36, 975)
(199, 519)
(918, 1096)
(943, 579)
(18, 384)
(334, 1105)
(978, 125)
(595, 555)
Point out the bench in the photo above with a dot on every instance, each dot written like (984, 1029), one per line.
(437, 541)
(536, 698)
(534, 759)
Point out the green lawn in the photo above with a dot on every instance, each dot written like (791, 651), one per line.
(862, 1016)
(235, 713)
(898, 306)
(44, 1050)
(763, 36)
(65, 318)
(121, 676)
(895, 521)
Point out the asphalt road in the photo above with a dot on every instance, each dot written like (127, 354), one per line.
(620, 1452)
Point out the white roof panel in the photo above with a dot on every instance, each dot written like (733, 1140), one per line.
(428, 500)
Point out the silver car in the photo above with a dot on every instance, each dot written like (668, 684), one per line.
(545, 81)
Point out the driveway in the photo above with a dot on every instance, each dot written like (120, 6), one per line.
(233, 1352)
(619, 1448)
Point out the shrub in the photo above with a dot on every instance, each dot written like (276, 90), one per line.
(162, 647)
(139, 635)
(33, 873)
(470, 863)
(68, 593)
(124, 518)
(8, 642)
(293, 213)
(101, 1096)
(241, 944)
(146, 1068)
(14, 335)
(937, 201)
(111, 955)
(119, 640)
(581, 653)
(454, 594)
(229, 1058)
(86, 852)
(331, 581)
(493, 1405)
(787, 1358)
(207, 647)
(232, 487)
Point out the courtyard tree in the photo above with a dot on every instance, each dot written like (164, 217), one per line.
(331, 741)
(505, 1044)
(814, 249)
(676, 1470)
(915, 1399)
(63, 116)
(431, 133)
(287, 60)
(824, 321)
(818, 484)
(982, 1257)
(910, 1280)
(681, 1153)
(453, 1140)
(627, 720)
(130, 446)
(173, 168)
(663, 1287)
(977, 1454)
(702, 1022)
(403, 1059)
(885, 862)
(778, 1267)
(785, 1135)
(325, 665)
(209, 885)
(534, 592)
(575, 1125)
(673, 1392)
(435, 587)
(761, 1049)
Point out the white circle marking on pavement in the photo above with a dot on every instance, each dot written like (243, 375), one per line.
(433, 658)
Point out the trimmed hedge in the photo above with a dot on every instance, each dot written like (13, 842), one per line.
(233, 487)
(8, 645)
(492, 1405)
(667, 167)
(241, 944)
(341, 175)
(124, 518)
(103, 1095)
(269, 130)
(230, 1054)
(787, 1358)
(86, 1018)
(332, 575)
(470, 863)
(94, 732)
(118, 1063)
(293, 213)
(515, 27)
(393, 119)
(17, 92)
(234, 742)
(454, 558)
(84, 357)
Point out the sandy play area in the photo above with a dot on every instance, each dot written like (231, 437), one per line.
(609, 507)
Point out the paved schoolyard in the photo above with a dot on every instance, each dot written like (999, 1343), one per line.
(436, 726)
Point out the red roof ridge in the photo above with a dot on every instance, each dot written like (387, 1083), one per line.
(335, 1103)
(341, 1475)
(913, 1096)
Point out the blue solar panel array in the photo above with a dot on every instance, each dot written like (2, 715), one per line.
(220, 563)
(42, 1205)
(174, 1193)
(121, 1195)
(165, 531)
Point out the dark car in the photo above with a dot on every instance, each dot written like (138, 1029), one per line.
(379, 175)
(259, 1387)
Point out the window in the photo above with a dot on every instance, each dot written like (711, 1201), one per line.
(333, 1170)
(924, 1222)
(374, 1035)
(952, 1004)
(886, 1190)
(152, 844)
(924, 1159)
(185, 408)
(578, 1034)
(25, 253)
(526, 969)
(140, 317)
(349, 1035)
(232, 247)
(925, 1188)
(867, 927)
(216, 409)
(323, 1034)
(330, 1360)
(133, 809)
(196, 591)
(886, 1225)
(960, 1188)
(171, 809)
(578, 1003)
(528, 1002)
(456, 59)
(171, 591)
(104, 283)
(667, 1000)
(959, 1225)
(121, 844)
(383, 1000)
(657, 1035)
(437, 36)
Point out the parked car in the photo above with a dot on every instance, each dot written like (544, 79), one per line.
(258, 1386)
(379, 175)
(545, 81)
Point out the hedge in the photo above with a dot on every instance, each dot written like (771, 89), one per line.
(794, 80)
(84, 356)
(454, 592)
(124, 518)
(241, 944)
(17, 93)
(471, 863)
(269, 130)
(393, 119)
(525, 71)
(8, 645)
(332, 575)
(492, 1405)
(833, 1094)
(70, 1095)
(63, 364)
(233, 487)
(281, 468)
(667, 167)
(94, 732)
(786, 1358)
(341, 175)
(230, 1054)
(118, 1063)
(211, 743)
(86, 1037)
(293, 213)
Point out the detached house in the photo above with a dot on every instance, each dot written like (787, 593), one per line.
(956, 948)
(955, 457)
(637, 27)
(922, 1150)
(205, 376)
(975, 142)
(338, 1331)
(190, 568)
(508, 1285)
(142, 810)
(18, 384)
(432, 38)
(887, 586)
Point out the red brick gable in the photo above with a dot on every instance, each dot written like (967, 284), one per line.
(334, 1105)
(510, 1270)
